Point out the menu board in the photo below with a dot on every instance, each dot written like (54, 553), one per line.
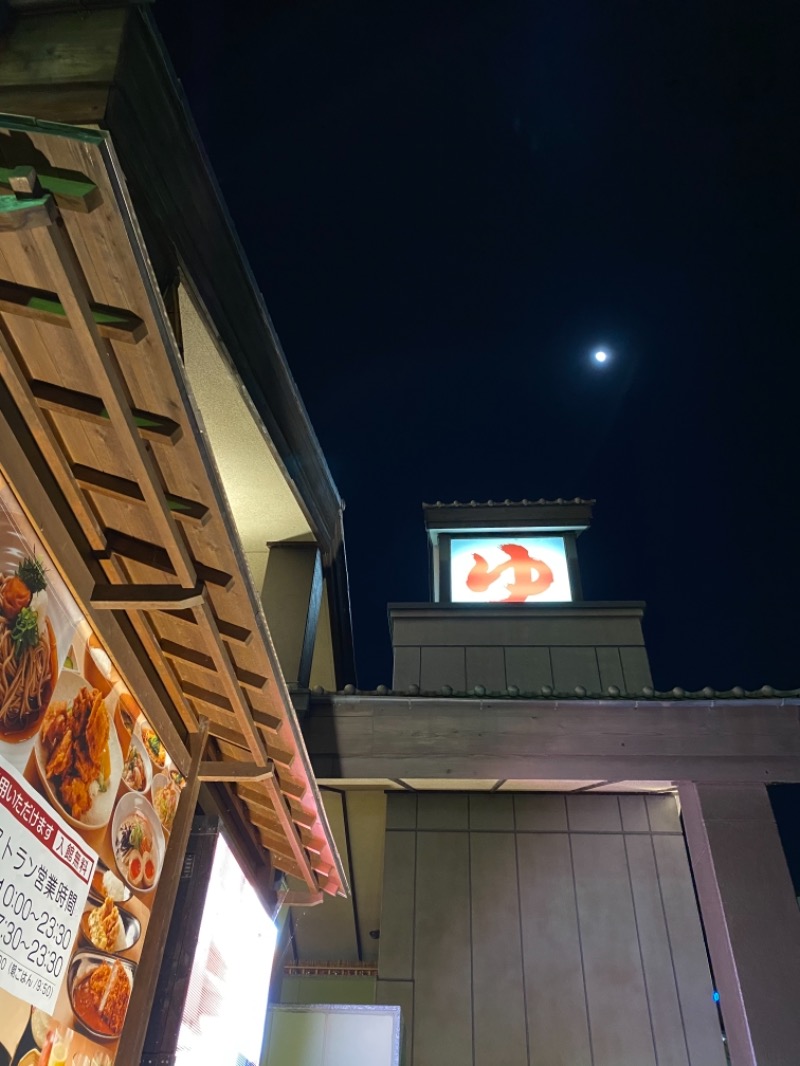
(88, 796)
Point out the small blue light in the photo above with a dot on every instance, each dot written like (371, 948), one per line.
(715, 996)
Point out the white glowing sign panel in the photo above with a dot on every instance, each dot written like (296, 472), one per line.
(508, 569)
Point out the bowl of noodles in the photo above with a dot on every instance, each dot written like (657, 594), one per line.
(78, 753)
(28, 654)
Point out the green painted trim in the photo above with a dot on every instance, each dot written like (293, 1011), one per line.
(9, 204)
(68, 187)
(22, 124)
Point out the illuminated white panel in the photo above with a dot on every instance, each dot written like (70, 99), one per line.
(507, 569)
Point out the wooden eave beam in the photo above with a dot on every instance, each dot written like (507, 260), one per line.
(153, 555)
(186, 654)
(121, 488)
(62, 263)
(144, 597)
(112, 323)
(231, 770)
(73, 193)
(87, 408)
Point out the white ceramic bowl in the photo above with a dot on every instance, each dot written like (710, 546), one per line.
(134, 802)
(148, 767)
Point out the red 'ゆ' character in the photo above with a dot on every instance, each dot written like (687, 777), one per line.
(523, 565)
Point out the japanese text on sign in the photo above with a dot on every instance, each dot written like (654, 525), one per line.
(45, 871)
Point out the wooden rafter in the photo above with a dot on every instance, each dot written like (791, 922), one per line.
(188, 604)
(186, 607)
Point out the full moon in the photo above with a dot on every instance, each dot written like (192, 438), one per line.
(600, 357)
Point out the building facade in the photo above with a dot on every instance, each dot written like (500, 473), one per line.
(558, 863)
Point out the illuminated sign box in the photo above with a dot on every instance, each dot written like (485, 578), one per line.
(505, 568)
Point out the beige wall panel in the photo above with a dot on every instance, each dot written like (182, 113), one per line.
(615, 990)
(688, 951)
(499, 1024)
(401, 811)
(634, 814)
(442, 956)
(528, 668)
(443, 810)
(663, 814)
(366, 819)
(575, 666)
(406, 668)
(396, 956)
(593, 814)
(610, 663)
(400, 994)
(519, 631)
(558, 1033)
(491, 813)
(546, 812)
(636, 668)
(662, 992)
(443, 666)
(487, 667)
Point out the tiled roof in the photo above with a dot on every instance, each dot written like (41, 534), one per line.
(547, 692)
(511, 503)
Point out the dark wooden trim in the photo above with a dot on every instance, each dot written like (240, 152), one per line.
(120, 488)
(157, 428)
(112, 323)
(144, 988)
(142, 551)
(144, 597)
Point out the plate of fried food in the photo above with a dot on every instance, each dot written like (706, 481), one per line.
(78, 753)
(110, 928)
(99, 988)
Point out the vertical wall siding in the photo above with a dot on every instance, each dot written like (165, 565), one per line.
(544, 930)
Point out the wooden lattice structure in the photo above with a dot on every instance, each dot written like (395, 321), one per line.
(89, 356)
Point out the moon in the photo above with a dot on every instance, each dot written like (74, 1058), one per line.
(600, 357)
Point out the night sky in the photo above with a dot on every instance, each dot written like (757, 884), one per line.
(450, 206)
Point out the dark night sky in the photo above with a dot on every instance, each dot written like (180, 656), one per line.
(449, 206)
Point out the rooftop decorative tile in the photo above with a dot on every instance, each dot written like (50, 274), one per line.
(547, 692)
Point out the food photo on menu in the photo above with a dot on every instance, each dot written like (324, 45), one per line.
(87, 786)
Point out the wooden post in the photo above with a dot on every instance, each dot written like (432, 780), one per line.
(144, 987)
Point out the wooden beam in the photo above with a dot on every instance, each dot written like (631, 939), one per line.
(121, 488)
(144, 597)
(227, 629)
(233, 771)
(289, 830)
(205, 662)
(60, 260)
(206, 695)
(268, 722)
(71, 192)
(231, 736)
(238, 701)
(17, 215)
(153, 427)
(13, 370)
(143, 551)
(112, 323)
